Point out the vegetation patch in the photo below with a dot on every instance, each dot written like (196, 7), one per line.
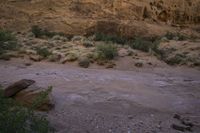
(106, 51)
(44, 52)
(110, 38)
(177, 59)
(14, 118)
(8, 42)
(39, 32)
(144, 45)
(175, 36)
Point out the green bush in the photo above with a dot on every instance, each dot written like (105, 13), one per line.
(14, 118)
(177, 59)
(106, 51)
(39, 32)
(44, 52)
(8, 42)
(110, 38)
(144, 45)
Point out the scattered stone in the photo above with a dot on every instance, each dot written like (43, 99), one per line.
(101, 62)
(70, 58)
(62, 38)
(139, 64)
(29, 51)
(17, 86)
(150, 63)
(130, 117)
(177, 116)
(27, 63)
(187, 123)
(84, 62)
(35, 58)
(110, 65)
(181, 128)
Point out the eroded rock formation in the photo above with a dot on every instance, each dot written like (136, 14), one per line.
(122, 17)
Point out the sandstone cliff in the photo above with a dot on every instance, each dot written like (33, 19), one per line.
(121, 17)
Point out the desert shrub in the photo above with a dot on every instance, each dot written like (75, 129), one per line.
(14, 118)
(175, 36)
(110, 38)
(7, 42)
(144, 45)
(39, 32)
(44, 52)
(106, 51)
(177, 59)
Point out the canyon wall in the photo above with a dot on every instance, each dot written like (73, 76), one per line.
(121, 17)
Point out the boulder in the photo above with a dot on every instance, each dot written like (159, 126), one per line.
(32, 96)
(17, 86)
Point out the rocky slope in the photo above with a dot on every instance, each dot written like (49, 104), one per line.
(122, 17)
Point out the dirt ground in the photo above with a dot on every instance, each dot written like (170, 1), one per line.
(144, 100)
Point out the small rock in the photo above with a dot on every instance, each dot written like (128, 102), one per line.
(101, 62)
(130, 117)
(110, 65)
(27, 63)
(62, 38)
(78, 38)
(84, 62)
(54, 58)
(35, 58)
(139, 64)
(180, 128)
(177, 116)
(17, 86)
(70, 57)
(28, 51)
(123, 52)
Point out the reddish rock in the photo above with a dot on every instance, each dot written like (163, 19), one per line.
(17, 87)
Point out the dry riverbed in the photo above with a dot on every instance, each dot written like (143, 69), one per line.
(145, 100)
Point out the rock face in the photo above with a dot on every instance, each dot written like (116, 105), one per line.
(17, 86)
(29, 94)
(85, 17)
